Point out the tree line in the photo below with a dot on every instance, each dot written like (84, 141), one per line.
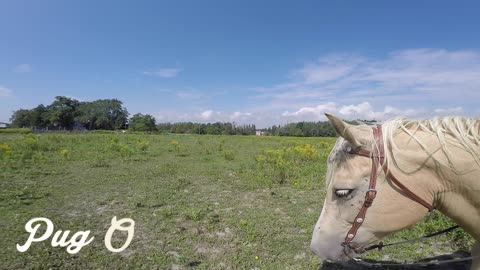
(110, 114)
(309, 129)
(68, 113)
(217, 128)
(302, 129)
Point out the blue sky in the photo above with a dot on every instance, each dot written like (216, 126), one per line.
(261, 62)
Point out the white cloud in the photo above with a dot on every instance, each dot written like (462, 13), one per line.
(163, 72)
(263, 119)
(5, 92)
(266, 118)
(318, 110)
(415, 83)
(206, 115)
(241, 117)
(362, 110)
(23, 68)
(239, 114)
(418, 75)
(449, 111)
(190, 95)
(328, 68)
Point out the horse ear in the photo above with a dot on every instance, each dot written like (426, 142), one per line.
(343, 129)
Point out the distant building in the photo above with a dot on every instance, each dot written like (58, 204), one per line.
(4, 125)
(260, 133)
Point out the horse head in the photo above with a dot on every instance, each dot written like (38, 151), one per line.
(347, 180)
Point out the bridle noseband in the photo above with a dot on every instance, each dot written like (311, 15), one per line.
(378, 159)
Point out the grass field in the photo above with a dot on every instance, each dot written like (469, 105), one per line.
(199, 202)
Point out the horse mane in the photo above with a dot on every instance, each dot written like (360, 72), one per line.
(451, 133)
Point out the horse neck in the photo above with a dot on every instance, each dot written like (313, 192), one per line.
(451, 180)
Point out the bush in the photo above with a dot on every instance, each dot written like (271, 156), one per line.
(180, 150)
(228, 155)
(31, 142)
(306, 152)
(65, 153)
(114, 140)
(125, 150)
(5, 150)
(142, 145)
(276, 163)
(285, 164)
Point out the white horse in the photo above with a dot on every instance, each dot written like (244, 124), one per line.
(438, 160)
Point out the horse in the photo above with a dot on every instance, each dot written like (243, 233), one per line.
(418, 165)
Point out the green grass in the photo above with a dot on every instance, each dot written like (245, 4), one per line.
(204, 202)
(15, 130)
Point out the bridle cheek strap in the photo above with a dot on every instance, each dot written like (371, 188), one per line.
(377, 160)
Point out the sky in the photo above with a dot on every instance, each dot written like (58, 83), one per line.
(248, 62)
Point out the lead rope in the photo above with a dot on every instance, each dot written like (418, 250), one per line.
(380, 264)
(380, 246)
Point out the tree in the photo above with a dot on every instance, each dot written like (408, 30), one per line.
(63, 111)
(39, 116)
(102, 114)
(305, 129)
(21, 118)
(141, 122)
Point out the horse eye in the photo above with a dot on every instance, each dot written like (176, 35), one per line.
(343, 192)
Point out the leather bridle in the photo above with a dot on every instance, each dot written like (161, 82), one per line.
(378, 159)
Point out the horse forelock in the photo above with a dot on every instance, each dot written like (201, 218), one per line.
(339, 153)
